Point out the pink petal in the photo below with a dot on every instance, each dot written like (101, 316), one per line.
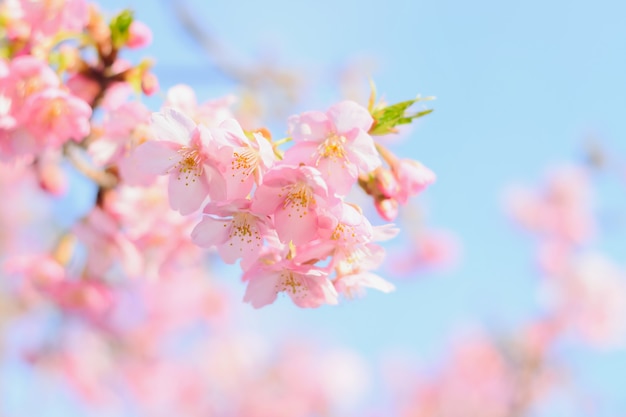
(155, 157)
(309, 126)
(261, 289)
(362, 152)
(172, 125)
(348, 115)
(210, 232)
(297, 226)
(187, 195)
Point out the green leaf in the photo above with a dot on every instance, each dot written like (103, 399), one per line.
(387, 118)
(120, 28)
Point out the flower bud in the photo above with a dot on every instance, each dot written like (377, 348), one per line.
(387, 208)
(140, 35)
(149, 83)
(386, 183)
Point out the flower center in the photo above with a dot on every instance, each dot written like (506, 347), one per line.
(244, 163)
(289, 284)
(332, 147)
(190, 166)
(243, 229)
(299, 197)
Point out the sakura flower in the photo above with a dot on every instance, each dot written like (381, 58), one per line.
(306, 285)
(53, 116)
(46, 18)
(243, 161)
(234, 229)
(294, 195)
(184, 151)
(107, 245)
(561, 209)
(335, 142)
(351, 250)
(122, 129)
(26, 76)
(591, 298)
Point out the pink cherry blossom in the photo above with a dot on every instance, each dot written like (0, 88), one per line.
(184, 151)
(108, 246)
(306, 285)
(335, 142)
(54, 116)
(233, 229)
(37, 20)
(242, 161)
(294, 196)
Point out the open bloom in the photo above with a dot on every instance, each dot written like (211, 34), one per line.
(233, 229)
(242, 161)
(184, 151)
(294, 196)
(306, 285)
(335, 142)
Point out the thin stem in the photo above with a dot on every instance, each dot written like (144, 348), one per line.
(102, 178)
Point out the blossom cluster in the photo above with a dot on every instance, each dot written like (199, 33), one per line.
(286, 215)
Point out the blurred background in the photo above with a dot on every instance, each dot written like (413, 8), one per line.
(521, 88)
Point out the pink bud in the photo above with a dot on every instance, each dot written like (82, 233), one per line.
(140, 35)
(51, 178)
(387, 208)
(149, 83)
(413, 177)
(386, 183)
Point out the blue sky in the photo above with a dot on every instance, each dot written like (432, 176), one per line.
(519, 86)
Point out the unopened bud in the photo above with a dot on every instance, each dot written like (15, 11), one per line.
(387, 208)
(140, 35)
(149, 83)
(386, 183)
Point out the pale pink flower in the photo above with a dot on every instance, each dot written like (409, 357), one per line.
(122, 129)
(294, 195)
(242, 161)
(335, 142)
(561, 209)
(87, 298)
(186, 152)
(54, 116)
(591, 298)
(50, 17)
(426, 250)
(353, 285)
(107, 246)
(26, 76)
(233, 229)
(306, 285)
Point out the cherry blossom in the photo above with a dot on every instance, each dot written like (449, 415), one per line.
(335, 142)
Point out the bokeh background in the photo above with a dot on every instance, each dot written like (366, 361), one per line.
(520, 87)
